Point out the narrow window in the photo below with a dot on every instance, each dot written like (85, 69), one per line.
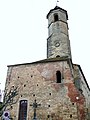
(58, 76)
(48, 116)
(55, 17)
(57, 56)
(70, 116)
(72, 103)
(48, 105)
(22, 110)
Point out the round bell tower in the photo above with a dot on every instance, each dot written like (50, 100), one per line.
(58, 44)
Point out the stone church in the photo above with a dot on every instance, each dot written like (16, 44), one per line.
(53, 88)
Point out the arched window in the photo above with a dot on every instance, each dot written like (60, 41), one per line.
(57, 56)
(23, 110)
(58, 76)
(55, 17)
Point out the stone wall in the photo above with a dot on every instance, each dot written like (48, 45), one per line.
(82, 86)
(59, 101)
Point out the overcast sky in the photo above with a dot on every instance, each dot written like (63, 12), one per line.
(23, 32)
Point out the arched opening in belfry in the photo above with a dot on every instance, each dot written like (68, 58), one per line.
(58, 76)
(55, 17)
(57, 56)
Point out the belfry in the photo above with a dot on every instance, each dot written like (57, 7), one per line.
(58, 43)
(49, 89)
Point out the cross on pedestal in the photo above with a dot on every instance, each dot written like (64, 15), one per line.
(35, 105)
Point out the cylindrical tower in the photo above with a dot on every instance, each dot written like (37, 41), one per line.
(58, 44)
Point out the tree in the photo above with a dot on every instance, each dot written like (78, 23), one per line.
(8, 99)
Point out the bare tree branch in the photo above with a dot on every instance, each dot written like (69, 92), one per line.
(8, 98)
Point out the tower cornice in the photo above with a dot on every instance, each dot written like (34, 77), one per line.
(57, 8)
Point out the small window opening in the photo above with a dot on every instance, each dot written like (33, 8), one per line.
(58, 76)
(48, 105)
(57, 56)
(72, 103)
(55, 17)
(70, 116)
(48, 116)
(34, 95)
(13, 86)
(11, 107)
(31, 76)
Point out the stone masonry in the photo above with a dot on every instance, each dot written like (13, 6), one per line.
(59, 101)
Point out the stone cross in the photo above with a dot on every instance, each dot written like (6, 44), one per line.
(35, 105)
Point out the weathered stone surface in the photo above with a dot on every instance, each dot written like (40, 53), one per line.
(38, 81)
(58, 43)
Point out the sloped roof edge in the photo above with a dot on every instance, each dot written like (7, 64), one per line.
(44, 61)
(83, 75)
